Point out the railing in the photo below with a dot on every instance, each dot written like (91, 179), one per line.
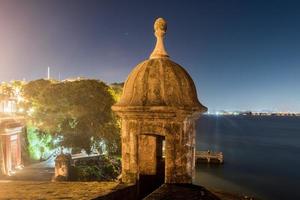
(80, 157)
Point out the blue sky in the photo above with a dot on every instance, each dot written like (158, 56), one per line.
(242, 55)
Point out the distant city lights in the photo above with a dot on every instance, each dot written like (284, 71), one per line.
(252, 113)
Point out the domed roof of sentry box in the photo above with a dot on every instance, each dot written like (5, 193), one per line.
(159, 82)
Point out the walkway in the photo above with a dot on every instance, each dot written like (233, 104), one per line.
(28, 190)
(42, 171)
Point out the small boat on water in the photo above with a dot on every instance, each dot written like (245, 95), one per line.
(209, 157)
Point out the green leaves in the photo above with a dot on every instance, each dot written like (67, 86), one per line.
(40, 144)
(77, 110)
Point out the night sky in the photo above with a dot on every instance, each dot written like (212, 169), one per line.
(242, 55)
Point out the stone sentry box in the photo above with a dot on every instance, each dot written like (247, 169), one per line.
(158, 110)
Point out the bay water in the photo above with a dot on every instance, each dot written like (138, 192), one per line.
(261, 154)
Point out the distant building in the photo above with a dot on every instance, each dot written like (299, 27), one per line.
(8, 106)
(10, 137)
(74, 79)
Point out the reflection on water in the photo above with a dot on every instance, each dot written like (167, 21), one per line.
(261, 155)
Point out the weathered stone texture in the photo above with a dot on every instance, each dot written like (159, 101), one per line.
(62, 167)
(160, 82)
(147, 156)
(159, 102)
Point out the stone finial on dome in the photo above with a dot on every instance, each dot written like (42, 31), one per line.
(160, 29)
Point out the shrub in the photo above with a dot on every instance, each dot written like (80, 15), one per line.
(96, 169)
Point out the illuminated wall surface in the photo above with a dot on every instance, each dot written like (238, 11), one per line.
(10, 144)
(8, 106)
(10, 150)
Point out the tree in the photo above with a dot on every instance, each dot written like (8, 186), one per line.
(80, 111)
(116, 90)
(6, 91)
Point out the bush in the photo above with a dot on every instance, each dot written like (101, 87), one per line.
(88, 173)
(101, 168)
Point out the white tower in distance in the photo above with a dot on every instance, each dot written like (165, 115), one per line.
(48, 73)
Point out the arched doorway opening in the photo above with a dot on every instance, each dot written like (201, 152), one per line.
(151, 160)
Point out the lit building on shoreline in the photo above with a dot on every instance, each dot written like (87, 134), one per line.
(253, 113)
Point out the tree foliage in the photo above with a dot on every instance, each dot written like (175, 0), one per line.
(80, 111)
(40, 144)
(116, 90)
(11, 89)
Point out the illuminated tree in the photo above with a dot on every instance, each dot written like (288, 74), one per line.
(80, 111)
(116, 90)
(6, 90)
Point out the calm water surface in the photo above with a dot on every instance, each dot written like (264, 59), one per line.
(262, 155)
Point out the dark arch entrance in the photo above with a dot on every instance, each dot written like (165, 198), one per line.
(151, 161)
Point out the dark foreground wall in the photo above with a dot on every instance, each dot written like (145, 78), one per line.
(122, 192)
(164, 192)
(181, 192)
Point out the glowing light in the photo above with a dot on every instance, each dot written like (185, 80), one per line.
(30, 111)
(8, 106)
(40, 145)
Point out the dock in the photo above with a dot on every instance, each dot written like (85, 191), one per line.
(209, 157)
